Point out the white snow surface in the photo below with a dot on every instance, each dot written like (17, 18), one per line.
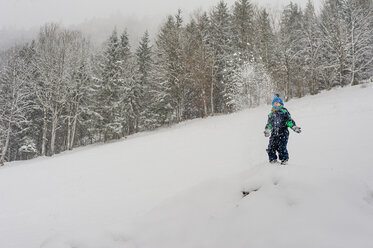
(180, 187)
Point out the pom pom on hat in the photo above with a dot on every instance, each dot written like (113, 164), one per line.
(277, 99)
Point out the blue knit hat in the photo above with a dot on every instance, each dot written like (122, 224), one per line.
(277, 99)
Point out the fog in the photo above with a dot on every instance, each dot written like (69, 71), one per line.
(20, 19)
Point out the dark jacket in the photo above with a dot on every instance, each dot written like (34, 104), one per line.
(279, 121)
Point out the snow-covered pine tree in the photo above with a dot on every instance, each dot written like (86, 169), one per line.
(169, 73)
(291, 49)
(208, 65)
(243, 29)
(109, 91)
(311, 38)
(222, 44)
(264, 40)
(199, 67)
(144, 60)
(131, 88)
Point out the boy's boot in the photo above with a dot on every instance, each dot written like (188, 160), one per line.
(285, 161)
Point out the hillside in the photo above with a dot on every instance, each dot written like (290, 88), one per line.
(181, 186)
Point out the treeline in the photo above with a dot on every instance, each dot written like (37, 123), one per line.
(58, 92)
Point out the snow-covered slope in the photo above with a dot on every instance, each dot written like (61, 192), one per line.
(181, 186)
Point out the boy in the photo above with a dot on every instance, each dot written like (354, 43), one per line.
(277, 126)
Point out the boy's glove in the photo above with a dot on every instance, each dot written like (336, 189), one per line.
(267, 132)
(296, 129)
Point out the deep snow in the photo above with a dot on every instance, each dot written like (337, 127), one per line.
(181, 186)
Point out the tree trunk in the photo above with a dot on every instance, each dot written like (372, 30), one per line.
(73, 133)
(204, 103)
(137, 123)
(68, 131)
(341, 80)
(181, 109)
(341, 66)
(353, 79)
(212, 98)
(5, 148)
(54, 132)
(44, 140)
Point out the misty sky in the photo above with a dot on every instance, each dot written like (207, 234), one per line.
(33, 13)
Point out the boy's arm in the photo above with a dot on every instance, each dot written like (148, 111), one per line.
(289, 122)
(269, 122)
(268, 127)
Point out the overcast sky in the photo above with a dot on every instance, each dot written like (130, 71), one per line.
(33, 13)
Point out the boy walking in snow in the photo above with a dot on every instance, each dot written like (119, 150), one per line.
(277, 127)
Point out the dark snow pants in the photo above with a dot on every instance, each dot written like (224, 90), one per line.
(278, 143)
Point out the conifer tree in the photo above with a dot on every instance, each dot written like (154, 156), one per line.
(222, 44)
(311, 36)
(291, 48)
(264, 40)
(144, 60)
(199, 67)
(109, 94)
(130, 92)
(243, 29)
(170, 88)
